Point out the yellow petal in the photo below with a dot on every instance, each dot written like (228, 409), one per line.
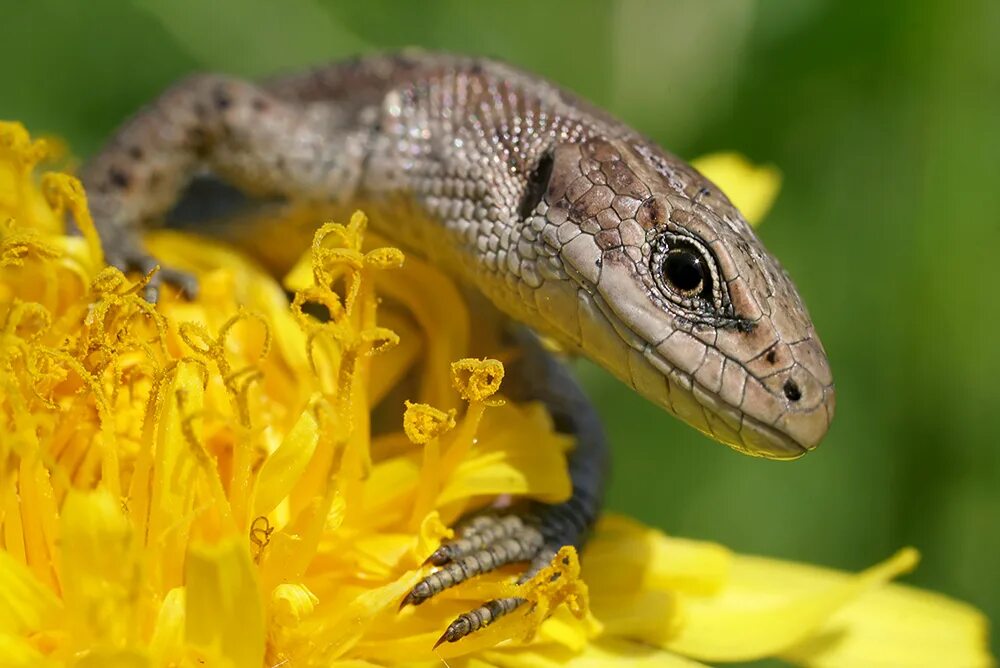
(113, 659)
(98, 567)
(432, 532)
(564, 628)
(25, 604)
(18, 653)
(517, 452)
(168, 634)
(760, 614)
(283, 468)
(434, 302)
(173, 489)
(348, 627)
(751, 188)
(291, 603)
(19, 198)
(625, 555)
(224, 612)
(604, 653)
(897, 627)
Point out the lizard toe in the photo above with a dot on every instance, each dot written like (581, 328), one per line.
(186, 282)
(486, 543)
(475, 534)
(479, 618)
(134, 260)
(490, 611)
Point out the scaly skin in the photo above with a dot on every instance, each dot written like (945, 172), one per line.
(565, 218)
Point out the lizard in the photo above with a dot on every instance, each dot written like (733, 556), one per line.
(563, 217)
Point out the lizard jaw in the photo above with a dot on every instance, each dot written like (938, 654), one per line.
(604, 337)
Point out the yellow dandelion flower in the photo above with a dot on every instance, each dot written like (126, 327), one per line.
(752, 188)
(203, 484)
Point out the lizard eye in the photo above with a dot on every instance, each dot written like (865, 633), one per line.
(684, 271)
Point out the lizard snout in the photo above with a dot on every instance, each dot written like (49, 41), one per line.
(794, 404)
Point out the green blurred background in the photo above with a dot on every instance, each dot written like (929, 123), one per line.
(884, 117)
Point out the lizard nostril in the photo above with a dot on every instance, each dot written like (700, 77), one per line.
(792, 391)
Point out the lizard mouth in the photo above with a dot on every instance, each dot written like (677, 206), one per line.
(653, 376)
(742, 432)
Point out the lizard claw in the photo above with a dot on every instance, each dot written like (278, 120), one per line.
(140, 261)
(186, 282)
(484, 543)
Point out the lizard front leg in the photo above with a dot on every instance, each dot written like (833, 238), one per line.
(268, 144)
(239, 131)
(534, 534)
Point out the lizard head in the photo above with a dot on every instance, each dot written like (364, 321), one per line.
(676, 295)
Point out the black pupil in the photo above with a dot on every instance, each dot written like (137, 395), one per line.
(684, 270)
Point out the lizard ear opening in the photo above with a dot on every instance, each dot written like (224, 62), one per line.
(538, 182)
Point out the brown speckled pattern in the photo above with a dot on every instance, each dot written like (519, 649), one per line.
(458, 138)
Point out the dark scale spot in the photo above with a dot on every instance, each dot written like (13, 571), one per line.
(601, 151)
(792, 391)
(196, 136)
(608, 239)
(118, 178)
(199, 110)
(538, 181)
(222, 99)
(135, 152)
(651, 214)
(772, 356)
(623, 180)
(260, 104)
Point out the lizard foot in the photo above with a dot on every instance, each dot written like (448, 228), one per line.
(137, 260)
(484, 543)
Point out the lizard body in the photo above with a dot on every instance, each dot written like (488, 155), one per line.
(565, 218)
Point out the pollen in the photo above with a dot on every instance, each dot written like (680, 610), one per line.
(477, 380)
